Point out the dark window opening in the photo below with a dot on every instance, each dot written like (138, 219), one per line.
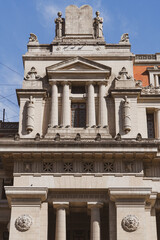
(5, 235)
(78, 115)
(78, 89)
(6, 182)
(158, 224)
(150, 125)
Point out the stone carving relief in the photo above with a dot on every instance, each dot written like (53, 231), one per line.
(68, 167)
(32, 75)
(88, 167)
(47, 166)
(124, 38)
(27, 166)
(151, 90)
(98, 26)
(130, 223)
(23, 223)
(129, 167)
(138, 83)
(123, 75)
(59, 166)
(33, 38)
(108, 167)
(126, 115)
(59, 25)
(30, 115)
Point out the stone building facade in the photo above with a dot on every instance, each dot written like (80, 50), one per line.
(85, 163)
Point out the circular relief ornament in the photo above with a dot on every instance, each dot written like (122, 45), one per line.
(23, 223)
(130, 223)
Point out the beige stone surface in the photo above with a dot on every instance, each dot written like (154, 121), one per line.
(79, 20)
(82, 181)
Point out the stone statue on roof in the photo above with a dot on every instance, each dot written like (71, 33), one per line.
(98, 26)
(59, 25)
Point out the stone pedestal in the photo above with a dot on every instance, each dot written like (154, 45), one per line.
(29, 214)
(60, 220)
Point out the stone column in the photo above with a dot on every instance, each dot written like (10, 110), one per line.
(95, 233)
(54, 105)
(158, 123)
(103, 116)
(66, 109)
(60, 220)
(91, 115)
(112, 220)
(156, 80)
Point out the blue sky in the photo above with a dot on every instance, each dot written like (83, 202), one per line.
(19, 18)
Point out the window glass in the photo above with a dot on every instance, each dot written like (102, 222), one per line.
(78, 115)
(150, 125)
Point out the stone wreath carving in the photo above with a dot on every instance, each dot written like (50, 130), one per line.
(23, 223)
(130, 223)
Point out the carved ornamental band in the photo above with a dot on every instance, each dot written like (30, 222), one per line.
(130, 223)
(23, 223)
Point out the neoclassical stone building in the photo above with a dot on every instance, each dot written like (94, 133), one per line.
(85, 163)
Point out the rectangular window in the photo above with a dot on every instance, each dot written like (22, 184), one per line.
(78, 115)
(150, 125)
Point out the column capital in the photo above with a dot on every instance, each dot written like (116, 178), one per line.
(65, 83)
(102, 83)
(53, 82)
(90, 83)
(59, 205)
(94, 205)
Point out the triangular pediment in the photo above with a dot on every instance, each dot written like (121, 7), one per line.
(78, 64)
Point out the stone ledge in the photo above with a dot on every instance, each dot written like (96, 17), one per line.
(19, 193)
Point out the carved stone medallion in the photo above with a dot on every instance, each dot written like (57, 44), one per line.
(23, 223)
(130, 223)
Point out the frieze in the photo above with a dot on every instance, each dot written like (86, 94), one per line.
(87, 196)
(70, 166)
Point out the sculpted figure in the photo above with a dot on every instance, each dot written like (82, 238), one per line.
(98, 26)
(124, 38)
(32, 75)
(59, 25)
(33, 38)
